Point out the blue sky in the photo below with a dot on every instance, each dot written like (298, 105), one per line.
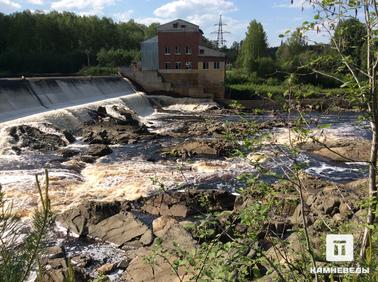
(275, 15)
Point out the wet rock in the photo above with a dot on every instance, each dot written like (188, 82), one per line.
(25, 136)
(74, 165)
(68, 153)
(113, 125)
(79, 218)
(87, 159)
(118, 229)
(200, 149)
(69, 136)
(183, 204)
(99, 150)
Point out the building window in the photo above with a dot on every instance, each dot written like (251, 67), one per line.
(202, 51)
(167, 51)
(167, 65)
(216, 65)
(175, 25)
(188, 65)
(205, 65)
(178, 65)
(178, 50)
(183, 26)
(188, 50)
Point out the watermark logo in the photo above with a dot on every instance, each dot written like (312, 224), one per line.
(339, 247)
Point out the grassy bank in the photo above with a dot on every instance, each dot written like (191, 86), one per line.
(241, 86)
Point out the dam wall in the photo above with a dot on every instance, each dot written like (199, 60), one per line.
(24, 97)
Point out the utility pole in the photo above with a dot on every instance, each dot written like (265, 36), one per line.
(221, 42)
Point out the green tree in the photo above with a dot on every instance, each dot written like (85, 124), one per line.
(254, 46)
(151, 30)
(288, 53)
(350, 37)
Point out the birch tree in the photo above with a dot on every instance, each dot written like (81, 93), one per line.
(361, 78)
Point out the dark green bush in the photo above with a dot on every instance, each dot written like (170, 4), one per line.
(117, 57)
(98, 71)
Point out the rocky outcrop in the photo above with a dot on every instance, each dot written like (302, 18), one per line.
(120, 229)
(199, 149)
(25, 136)
(183, 204)
(172, 235)
(99, 150)
(78, 219)
(356, 151)
(113, 125)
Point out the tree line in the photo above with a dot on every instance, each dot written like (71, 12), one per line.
(65, 42)
(256, 61)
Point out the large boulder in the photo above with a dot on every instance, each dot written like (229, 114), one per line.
(78, 219)
(172, 236)
(99, 150)
(171, 232)
(119, 229)
(25, 136)
(183, 204)
(357, 151)
(113, 125)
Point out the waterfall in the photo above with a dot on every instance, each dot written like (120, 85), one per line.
(24, 97)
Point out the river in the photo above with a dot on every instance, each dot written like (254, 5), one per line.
(131, 171)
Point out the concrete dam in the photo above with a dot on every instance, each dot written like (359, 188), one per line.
(24, 97)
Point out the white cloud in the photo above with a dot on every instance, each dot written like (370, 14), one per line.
(35, 2)
(182, 8)
(296, 4)
(124, 16)
(150, 20)
(84, 6)
(8, 6)
(204, 13)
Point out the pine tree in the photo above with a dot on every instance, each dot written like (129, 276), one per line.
(19, 255)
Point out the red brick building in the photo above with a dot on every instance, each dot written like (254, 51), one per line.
(178, 57)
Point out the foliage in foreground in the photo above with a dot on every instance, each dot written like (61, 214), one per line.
(19, 255)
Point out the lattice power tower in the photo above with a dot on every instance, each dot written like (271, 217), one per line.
(220, 42)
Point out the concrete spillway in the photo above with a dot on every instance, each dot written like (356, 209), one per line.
(23, 97)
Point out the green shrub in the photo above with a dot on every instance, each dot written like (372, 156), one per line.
(117, 57)
(272, 88)
(98, 71)
(254, 91)
(265, 66)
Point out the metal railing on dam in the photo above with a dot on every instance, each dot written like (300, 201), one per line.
(26, 96)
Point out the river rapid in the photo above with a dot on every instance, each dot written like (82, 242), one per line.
(132, 170)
